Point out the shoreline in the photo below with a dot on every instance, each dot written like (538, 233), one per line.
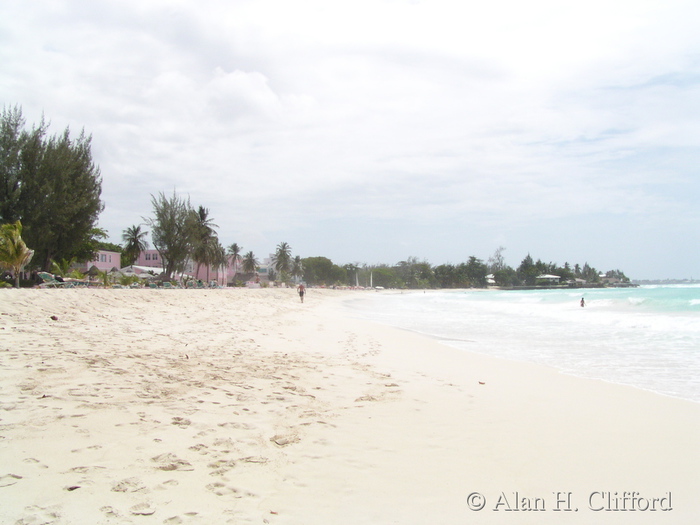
(245, 406)
(446, 336)
(444, 340)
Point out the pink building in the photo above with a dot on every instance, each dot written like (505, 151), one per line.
(104, 260)
(152, 259)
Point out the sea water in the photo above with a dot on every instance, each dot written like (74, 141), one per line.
(647, 337)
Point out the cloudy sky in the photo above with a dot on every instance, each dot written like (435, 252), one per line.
(371, 131)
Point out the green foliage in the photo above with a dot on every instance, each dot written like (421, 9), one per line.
(62, 267)
(14, 254)
(297, 267)
(87, 251)
(505, 277)
(104, 278)
(250, 263)
(205, 244)
(413, 273)
(283, 259)
(218, 257)
(128, 280)
(234, 252)
(385, 277)
(76, 274)
(134, 243)
(110, 247)
(475, 271)
(12, 141)
(51, 184)
(172, 231)
(527, 271)
(321, 271)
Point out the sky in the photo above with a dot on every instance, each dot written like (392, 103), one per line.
(373, 131)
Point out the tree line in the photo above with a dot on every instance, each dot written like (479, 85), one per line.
(413, 273)
(50, 201)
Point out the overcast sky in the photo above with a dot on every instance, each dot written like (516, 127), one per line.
(371, 131)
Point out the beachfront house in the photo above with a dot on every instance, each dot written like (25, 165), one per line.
(152, 259)
(610, 281)
(104, 260)
(547, 279)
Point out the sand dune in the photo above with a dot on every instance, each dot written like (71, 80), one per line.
(245, 406)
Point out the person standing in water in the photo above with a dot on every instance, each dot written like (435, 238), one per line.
(583, 303)
(301, 291)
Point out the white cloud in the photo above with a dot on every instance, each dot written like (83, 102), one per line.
(285, 117)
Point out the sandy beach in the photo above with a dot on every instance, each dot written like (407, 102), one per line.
(246, 406)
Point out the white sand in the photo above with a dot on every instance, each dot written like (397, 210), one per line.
(245, 406)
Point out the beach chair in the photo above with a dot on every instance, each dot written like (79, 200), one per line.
(50, 281)
(152, 285)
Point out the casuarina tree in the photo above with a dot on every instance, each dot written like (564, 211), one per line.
(51, 185)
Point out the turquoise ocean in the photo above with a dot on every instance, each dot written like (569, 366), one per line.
(646, 337)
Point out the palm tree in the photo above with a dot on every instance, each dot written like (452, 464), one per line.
(204, 238)
(62, 267)
(104, 278)
(135, 243)
(283, 258)
(234, 251)
(14, 254)
(297, 267)
(219, 259)
(250, 263)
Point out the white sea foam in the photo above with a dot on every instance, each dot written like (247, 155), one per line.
(644, 337)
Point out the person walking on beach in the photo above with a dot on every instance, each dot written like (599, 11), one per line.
(301, 291)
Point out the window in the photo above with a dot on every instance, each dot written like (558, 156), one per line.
(103, 258)
(148, 256)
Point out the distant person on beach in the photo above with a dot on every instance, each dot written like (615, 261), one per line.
(301, 291)
(583, 303)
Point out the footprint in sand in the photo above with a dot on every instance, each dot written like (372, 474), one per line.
(43, 515)
(261, 460)
(366, 398)
(181, 422)
(142, 509)
(284, 440)
(110, 512)
(220, 489)
(36, 462)
(171, 462)
(9, 479)
(84, 470)
(221, 467)
(167, 484)
(129, 485)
